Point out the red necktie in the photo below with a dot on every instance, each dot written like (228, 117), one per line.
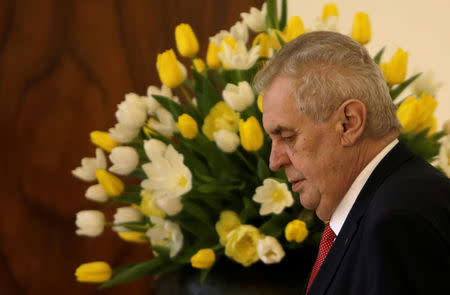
(326, 242)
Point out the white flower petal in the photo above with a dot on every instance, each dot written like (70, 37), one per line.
(125, 159)
(96, 193)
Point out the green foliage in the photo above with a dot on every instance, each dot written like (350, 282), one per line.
(421, 144)
(399, 89)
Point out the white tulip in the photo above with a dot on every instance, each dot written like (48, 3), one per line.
(444, 155)
(273, 196)
(86, 171)
(170, 204)
(126, 214)
(122, 133)
(269, 250)
(154, 148)
(226, 140)
(152, 104)
(132, 112)
(90, 223)
(239, 31)
(218, 38)
(165, 124)
(165, 233)
(238, 57)
(256, 19)
(124, 158)
(96, 193)
(329, 24)
(426, 83)
(238, 97)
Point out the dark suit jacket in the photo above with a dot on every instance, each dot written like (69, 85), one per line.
(396, 238)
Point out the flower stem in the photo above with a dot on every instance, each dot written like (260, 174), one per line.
(242, 157)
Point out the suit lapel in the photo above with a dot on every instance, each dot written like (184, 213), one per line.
(396, 157)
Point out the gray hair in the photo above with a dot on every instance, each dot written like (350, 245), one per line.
(330, 68)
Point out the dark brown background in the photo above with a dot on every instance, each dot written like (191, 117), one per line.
(64, 66)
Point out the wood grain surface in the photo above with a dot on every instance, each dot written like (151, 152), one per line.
(64, 67)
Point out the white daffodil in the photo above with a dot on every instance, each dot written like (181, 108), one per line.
(444, 155)
(218, 38)
(239, 31)
(269, 250)
(329, 24)
(152, 104)
(226, 140)
(126, 214)
(273, 196)
(96, 193)
(132, 112)
(86, 171)
(238, 57)
(124, 158)
(426, 83)
(165, 124)
(167, 173)
(240, 96)
(90, 223)
(122, 133)
(165, 233)
(256, 19)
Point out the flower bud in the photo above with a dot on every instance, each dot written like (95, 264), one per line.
(112, 185)
(395, 70)
(125, 159)
(169, 69)
(264, 45)
(90, 223)
(361, 31)
(228, 221)
(227, 141)
(212, 56)
(199, 65)
(329, 10)
(103, 140)
(188, 126)
(296, 231)
(252, 137)
(133, 237)
(293, 29)
(93, 272)
(238, 97)
(187, 43)
(96, 193)
(124, 215)
(417, 114)
(204, 258)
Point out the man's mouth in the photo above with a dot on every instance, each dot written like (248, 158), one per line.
(296, 183)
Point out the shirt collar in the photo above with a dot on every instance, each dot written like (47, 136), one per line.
(340, 214)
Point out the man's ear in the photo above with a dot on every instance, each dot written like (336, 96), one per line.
(351, 121)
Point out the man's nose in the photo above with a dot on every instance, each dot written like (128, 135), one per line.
(278, 157)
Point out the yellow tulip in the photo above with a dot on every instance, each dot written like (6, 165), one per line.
(199, 65)
(169, 69)
(212, 56)
(110, 183)
(273, 38)
(204, 258)
(242, 244)
(187, 43)
(329, 10)
(149, 206)
(228, 221)
(188, 126)
(395, 70)
(252, 137)
(221, 116)
(361, 31)
(296, 231)
(93, 272)
(293, 29)
(133, 237)
(416, 115)
(264, 45)
(260, 101)
(103, 140)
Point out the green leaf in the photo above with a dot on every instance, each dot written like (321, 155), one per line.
(397, 90)
(262, 169)
(250, 212)
(378, 56)
(137, 271)
(205, 93)
(203, 274)
(174, 108)
(133, 188)
(280, 39)
(129, 198)
(421, 144)
(133, 226)
(197, 211)
(275, 225)
(283, 14)
(271, 17)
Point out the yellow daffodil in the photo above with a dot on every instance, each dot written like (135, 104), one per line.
(199, 65)
(329, 10)
(264, 45)
(110, 183)
(394, 71)
(170, 70)
(252, 137)
(296, 231)
(242, 244)
(133, 237)
(293, 29)
(212, 56)
(93, 272)
(221, 116)
(228, 221)
(187, 43)
(417, 114)
(103, 140)
(188, 126)
(204, 258)
(361, 31)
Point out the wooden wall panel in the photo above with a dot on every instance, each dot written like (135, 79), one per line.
(64, 66)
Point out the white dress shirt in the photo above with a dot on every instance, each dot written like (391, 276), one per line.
(342, 210)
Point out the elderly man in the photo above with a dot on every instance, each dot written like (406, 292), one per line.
(334, 131)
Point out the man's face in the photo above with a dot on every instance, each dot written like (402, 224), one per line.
(309, 152)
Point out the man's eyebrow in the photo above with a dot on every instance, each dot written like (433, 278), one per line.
(279, 129)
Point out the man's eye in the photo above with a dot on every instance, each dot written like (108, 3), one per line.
(289, 138)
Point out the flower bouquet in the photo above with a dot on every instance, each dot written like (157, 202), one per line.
(194, 183)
